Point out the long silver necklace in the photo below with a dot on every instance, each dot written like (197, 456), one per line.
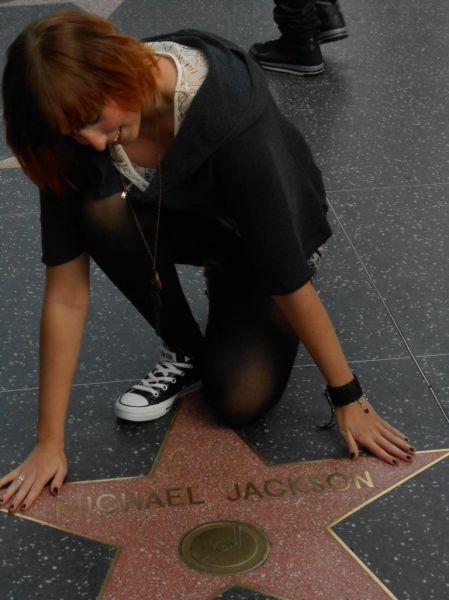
(155, 278)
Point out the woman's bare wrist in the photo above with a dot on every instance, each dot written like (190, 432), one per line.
(51, 441)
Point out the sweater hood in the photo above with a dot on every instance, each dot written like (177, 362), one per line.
(230, 99)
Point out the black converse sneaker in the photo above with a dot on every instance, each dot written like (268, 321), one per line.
(151, 398)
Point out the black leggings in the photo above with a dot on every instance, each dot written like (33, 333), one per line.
(248, 350)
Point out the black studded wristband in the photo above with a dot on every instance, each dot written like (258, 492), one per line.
(345, 394)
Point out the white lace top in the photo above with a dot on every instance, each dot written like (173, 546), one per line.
(191, 67)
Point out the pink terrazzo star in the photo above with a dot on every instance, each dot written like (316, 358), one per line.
(206, 472)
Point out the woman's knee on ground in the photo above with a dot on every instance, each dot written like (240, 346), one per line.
(241, 395)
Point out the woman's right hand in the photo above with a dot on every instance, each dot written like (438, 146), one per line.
(45, 464)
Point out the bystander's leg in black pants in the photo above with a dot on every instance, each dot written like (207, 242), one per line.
(297, 20)
(300, 20)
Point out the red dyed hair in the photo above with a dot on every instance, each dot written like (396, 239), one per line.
(60, 71)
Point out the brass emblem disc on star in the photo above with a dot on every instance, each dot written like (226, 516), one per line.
(224, 547)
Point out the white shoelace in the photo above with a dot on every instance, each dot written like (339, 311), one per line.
(160, 375)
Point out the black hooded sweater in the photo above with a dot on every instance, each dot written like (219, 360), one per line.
(235, 158)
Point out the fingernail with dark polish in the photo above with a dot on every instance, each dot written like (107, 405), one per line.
(55, 491)
(406, 439)
(352, 455)
(23, 507)
(394, 461)
(408, 457)
(412, 449)
(10, 507)
(1, 499)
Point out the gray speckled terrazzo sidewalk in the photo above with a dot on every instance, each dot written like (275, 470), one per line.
(378, 124)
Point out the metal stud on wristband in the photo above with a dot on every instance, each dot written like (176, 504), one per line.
(345, 394)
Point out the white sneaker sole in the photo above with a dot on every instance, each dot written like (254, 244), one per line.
(150, 413)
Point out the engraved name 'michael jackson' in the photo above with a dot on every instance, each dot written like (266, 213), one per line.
(187, 496)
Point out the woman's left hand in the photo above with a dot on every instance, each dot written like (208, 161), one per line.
(356, 426)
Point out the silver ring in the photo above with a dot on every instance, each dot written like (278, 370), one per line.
(20, 478)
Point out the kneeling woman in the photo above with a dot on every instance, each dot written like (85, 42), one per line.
(149, 154)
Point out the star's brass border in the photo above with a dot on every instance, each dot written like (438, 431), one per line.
(383, 493)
